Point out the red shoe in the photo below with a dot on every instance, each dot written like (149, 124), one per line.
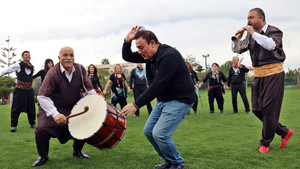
(263, 149)
(286, 138)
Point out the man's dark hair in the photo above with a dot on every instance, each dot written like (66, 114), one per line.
(147, 35)
(260, 12)
(25, 52)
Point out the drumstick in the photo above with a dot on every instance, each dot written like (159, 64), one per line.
(86, 108)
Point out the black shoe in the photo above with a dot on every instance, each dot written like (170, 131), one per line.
(248, 112)
(13, 129)
(174, 166)
(166, 164)
(234, 112)
(81, 155)
(33, 126)
(222, 112)
(39, 161)
(211, 112)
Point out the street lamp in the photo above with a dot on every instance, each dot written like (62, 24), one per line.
(205, 56)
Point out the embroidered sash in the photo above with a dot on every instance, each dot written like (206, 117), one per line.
(268, 70)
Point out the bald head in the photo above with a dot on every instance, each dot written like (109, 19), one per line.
(65, 48)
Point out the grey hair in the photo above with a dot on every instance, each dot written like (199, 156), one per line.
(235, 57)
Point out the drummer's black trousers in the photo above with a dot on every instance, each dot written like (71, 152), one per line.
(43, 135)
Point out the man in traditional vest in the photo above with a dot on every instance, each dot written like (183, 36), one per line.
(267, 55)
(23, 97)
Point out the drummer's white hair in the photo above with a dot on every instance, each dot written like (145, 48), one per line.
(65, 47)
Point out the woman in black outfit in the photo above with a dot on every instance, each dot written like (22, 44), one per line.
(195, 80)
(215, 87)
(47, 66)
(93, 75)
(119, 87)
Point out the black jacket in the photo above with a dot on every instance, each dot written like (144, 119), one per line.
(238, 77)
(167, 75)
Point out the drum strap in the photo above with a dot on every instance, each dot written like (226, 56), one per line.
(85, 90)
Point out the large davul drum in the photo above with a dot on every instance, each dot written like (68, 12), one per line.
(101, 125)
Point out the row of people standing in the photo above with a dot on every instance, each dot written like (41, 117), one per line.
(216, 79)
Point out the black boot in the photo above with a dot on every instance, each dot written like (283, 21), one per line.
(81, 155)
(39, 161)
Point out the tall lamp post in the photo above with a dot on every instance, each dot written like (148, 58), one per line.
(298, 76)
(205, 56)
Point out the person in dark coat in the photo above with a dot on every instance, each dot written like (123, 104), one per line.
(236, 82)
(267, 56)
(138, 78)
(23, 96)
(58, 94)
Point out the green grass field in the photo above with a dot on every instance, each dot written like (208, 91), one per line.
(205, 141)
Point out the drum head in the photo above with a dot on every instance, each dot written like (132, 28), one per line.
(85, 125)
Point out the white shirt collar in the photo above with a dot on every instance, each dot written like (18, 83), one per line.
(63, 70)
(265, 27)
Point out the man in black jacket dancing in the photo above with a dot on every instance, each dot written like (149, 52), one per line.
(170, 83)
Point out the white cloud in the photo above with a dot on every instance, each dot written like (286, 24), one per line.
(96, 28)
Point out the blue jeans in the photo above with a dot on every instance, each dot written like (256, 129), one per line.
(160, 126)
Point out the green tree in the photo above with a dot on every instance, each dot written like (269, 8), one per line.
(225, 68)
(291, 77)
(105, 61)
(103, 75)
(7, 58)
(6, 85)
(199, 68)
(192, 60)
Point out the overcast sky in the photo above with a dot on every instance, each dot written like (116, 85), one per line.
(96, 28)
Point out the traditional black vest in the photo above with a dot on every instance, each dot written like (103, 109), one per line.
(22, 75)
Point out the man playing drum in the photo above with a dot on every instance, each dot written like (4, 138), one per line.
(171, 84)
(58, 94)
